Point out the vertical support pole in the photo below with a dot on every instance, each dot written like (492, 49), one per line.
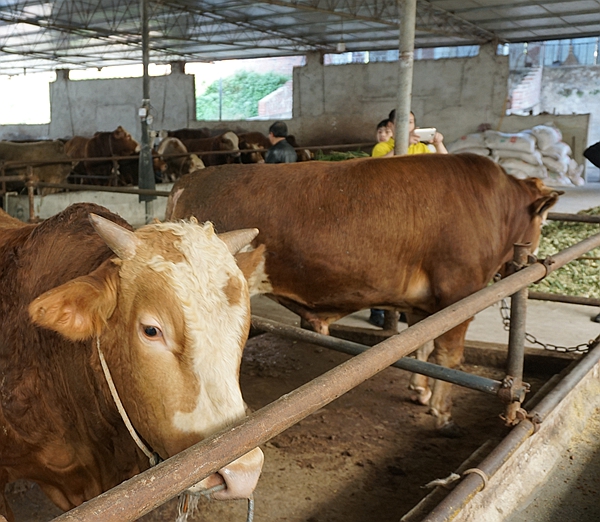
(407, 15)
(407, 11)
(146, 172)
(113, 180)
(516, 342)
(3, 173)
(30, 184)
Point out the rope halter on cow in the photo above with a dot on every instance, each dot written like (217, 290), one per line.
(153, 457)
(189, 498)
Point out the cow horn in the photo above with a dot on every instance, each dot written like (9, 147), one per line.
(120, 240)
(238, 239)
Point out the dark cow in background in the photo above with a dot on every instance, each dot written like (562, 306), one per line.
(190, 134)
(166, 306)
(413, 233)
(36, 151)
(228, 142)
(256, 141)
(117, 143)
(303, 154)
(177, 159)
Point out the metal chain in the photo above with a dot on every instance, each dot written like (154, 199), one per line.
(580, 348)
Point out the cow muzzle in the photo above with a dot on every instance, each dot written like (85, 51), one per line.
(240, 477)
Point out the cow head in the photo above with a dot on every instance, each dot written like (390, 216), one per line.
(251, 157)
(122, 143)
(229, 141)
(544, 198)
(172, 314)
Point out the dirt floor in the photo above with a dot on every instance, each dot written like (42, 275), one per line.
(365, 457)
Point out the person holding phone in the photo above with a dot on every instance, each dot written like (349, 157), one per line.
(415, 146)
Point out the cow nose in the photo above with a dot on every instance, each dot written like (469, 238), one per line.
(240, 477)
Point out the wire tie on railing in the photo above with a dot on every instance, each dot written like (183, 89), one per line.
(477, 471)
(443, 482)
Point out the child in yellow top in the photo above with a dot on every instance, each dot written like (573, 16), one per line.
(414, 145)
(385, 140)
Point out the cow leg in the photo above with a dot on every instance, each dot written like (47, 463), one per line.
(449, 349)
(420, 383)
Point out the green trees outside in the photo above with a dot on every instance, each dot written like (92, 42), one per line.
(236, 97)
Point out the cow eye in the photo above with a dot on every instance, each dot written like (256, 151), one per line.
(151, 332)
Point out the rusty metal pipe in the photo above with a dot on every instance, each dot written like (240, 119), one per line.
(576, 218)
(467, 380)
(518, 316)
(514, 391)
(559, 298)
(472, 484)
(146, 491)
(102, 188)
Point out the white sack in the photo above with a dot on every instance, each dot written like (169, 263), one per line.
(470, 141)
(522, 141)
(555, 179)
(533, 158)
(558, 150)
(546, 135)
(561, 166)
(522, 169)
(574, 173)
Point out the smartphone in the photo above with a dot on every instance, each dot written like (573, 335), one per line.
(426, 134)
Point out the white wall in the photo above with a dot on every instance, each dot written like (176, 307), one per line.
(332, 104)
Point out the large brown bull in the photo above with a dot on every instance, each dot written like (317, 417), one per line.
(413, 233)
(166, 307)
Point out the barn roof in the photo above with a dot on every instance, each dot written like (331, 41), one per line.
(73, 34)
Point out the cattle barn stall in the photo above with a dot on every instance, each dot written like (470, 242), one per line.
(75, 34)
(148, 490)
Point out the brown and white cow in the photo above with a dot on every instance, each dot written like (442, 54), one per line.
(177, 159)
(255, 142)
(170, 313)
(414, 233)
(227, 143)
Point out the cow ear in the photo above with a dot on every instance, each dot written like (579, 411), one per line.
(252, 265)
(79, 309)
(546, 202)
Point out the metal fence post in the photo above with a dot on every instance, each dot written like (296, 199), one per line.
(513, 388)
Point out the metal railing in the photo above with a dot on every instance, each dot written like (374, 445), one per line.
(150, 489)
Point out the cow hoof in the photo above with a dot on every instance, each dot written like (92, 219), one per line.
(421, 395)
(451, 430)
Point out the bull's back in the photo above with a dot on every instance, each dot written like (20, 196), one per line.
(364, 223)
(342, 196)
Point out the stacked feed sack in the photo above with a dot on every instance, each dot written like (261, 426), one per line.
(556, 156)
(474, 143)
(532, 153)
(516, 153)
